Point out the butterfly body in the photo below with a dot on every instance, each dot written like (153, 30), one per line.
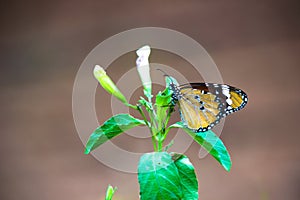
(202, 105)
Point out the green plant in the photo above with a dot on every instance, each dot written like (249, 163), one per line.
(161, 174)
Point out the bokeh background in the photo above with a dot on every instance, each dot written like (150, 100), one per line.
(255, 44)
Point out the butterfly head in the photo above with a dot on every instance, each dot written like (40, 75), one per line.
(174, 87)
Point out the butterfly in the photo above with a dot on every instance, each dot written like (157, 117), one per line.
(202, 105)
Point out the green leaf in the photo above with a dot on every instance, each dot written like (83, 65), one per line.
(110, 192)
(211, 143)
(158, 177)
(167, 176)
(111, 128)
(187, 175)
(164, 98)
(163, 103)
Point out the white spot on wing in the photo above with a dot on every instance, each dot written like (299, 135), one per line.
(229, 101)
(225, 91)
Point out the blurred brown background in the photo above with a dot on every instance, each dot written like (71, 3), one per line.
(254, 43)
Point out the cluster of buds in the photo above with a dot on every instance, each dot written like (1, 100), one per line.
(143, 69)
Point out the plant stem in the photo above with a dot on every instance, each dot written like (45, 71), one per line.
(131, 106)
(150, 126)
(143, 115)
(160, 146)
(154, 143)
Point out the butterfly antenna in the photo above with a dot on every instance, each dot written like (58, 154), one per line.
(164, 73)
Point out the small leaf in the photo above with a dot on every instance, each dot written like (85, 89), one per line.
(211, 143)
(111, 128)
(158, 177)
(163, 104)
(164, 98)
(187, 175)
(110, 192)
